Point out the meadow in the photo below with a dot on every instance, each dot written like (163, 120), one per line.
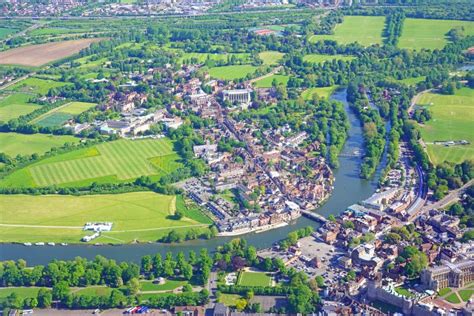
(116, 161)
(267, 82)
(36, 85)
(15, 144)
(322, 92)
(319, 59)
(58, 116)
(366, 30)
(452, 120)
(143, 216)
(270, 57)
(231, 72)
(14, 105)
(412, 81)
(254, 279)
(430, 34)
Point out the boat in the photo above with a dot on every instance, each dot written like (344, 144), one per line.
(27, 244)
(63, 244)
(51, 244)
(39, 244)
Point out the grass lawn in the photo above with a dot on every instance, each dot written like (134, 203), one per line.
(22, 144)
(254, 279)
(15, 105)
(324, 92)
(116, 161)
(22, 292)
(453, 298)
(4, 32)
(444, 291)
(465, 294)
(231, 72)
(36, 85)
(412, 81)
(453, 116)
(270, 57)
(430, 34)
(93, 291)
(191, 210)
(58, 116)
(267, 82)
(170, 285)
(143, 216)
(318, 58)
(403, 291)
(366, 30)
(229, 299)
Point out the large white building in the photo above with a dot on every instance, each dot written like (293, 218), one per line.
(237, 95)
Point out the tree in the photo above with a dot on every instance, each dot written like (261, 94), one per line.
(187, 271)
(240, 304)
(45, 298)
(61, 290)
(133, 286)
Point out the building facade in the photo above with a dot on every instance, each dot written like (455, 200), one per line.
(448, 275)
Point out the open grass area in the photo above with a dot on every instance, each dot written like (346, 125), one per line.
(15, 105)
(191, 210)
(452, 119)
(93, 291)
(466, 294)
(444, 291)
(143, 216)
(254, 279)
(169, 285)
(453, 298)
(231, 72)
(324, 92)
(14, 144)
(4, 32)
(36, 85)
(229, 299)
(115, 161)
(319, 59)
(267, 82)
(403, 291)
(366, 30)
(58, 116)
(412, 81)
(270, 57)
(22, 292)
(430, 34)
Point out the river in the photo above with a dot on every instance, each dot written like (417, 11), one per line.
(348, 189)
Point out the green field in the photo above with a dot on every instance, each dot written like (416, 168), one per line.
(452, 120)
(270, 57)
(412, 81)
(466, 294)
(231, 72)
(430, 34)
(254, 279)
(229, 299)
(267, 82)
(58, 116)
(22, 292)
(324, 92)
(453, 298)
(4, 32)
(144, 216)
(22, 144)
(93, 291)
(403, 291)
(36, 85)
(319, 59)
(115, 161)
(366, 30)
(444, 291)
(15, 105)
(146, 286)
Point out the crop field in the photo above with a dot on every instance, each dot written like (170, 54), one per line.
(115, 161)
(38, 55)
(267, 82)
(203, 57)
(22, 144)
(366, 30)
(231, 72)
(254, 279)
(15, 105)
(319, 59)
(324, 92)
(452, 120)
(270, 57)
(59, 115)
(145, 216)
(430, 34)
(36, 85)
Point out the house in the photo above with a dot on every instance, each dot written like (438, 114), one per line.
(189, 311)
(220, 310)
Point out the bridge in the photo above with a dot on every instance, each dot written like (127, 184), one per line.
(349, 155)
(314, 216)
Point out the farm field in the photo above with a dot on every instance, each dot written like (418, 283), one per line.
(430, 34)
(318, 58)
(254, 279)
(322, 92)
(452, 120)
(231, 72)
(36, 85)
(22, 144)
(267, 82)
(15, 105)
(59, 115)
(38, 55)
(145, 216)
(115, 161)
(366, 30)
(270, 57)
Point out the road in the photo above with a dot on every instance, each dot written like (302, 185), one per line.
(212, 288)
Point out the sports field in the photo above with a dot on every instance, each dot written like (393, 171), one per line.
(145, 216)
(254, 279)
(115, 161)
(453, 117)
(430, 34)
(231, 72)
(36, 85)
(58, 116)
(319, 59)
(324, 92)
(270, 57)
(366, 30)
(15, 105)
(14, 144)
(267, 82)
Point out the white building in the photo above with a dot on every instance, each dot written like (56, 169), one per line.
(237, 95)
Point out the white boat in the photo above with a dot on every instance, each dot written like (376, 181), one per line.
(39, 244)
(27, 244)
(63, 244)
(51, 244)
